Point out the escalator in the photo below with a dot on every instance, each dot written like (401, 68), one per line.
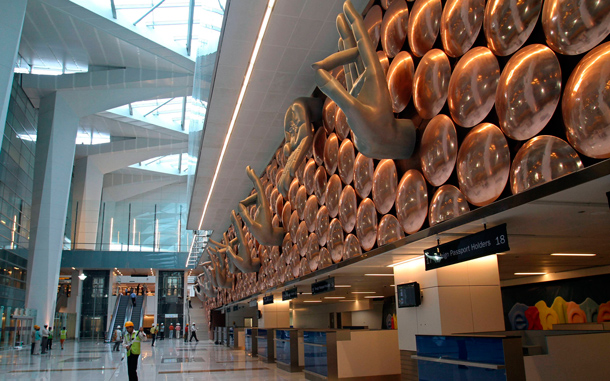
(137, 314)
(121, 313)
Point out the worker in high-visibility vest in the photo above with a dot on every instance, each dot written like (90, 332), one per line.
(132, 345)
(62, 337)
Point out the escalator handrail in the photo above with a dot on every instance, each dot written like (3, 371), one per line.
(113, 321)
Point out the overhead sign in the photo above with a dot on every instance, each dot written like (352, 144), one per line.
(171, 316)
(268, 299)
(252, 303)
(487, 242)
(235, 308)
(228, 309)
(289, 294)
(326, 285)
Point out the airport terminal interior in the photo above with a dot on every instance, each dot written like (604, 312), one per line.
(305, 189)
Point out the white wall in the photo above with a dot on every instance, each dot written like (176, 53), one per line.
(275, 315)
(317, 315)
(372, 318)
(461, 298)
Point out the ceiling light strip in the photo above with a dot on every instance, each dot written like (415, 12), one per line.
(526, 274)
(257, 45)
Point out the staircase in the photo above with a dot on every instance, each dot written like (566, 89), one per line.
(137, 312)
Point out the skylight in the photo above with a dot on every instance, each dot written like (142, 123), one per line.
(176, 164)
(170, 18)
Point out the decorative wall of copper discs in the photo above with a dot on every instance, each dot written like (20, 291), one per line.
(505, 95)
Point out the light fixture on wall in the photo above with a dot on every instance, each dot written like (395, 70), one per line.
(526, 274)
(82, 277)
(240, 98)
(405, 261)
(573, 255)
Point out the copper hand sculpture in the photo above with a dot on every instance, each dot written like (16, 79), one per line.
(222, 247)
(208, 286)
(223, 279)
(243, 259)
(205, 286)
(298, 131)
(368, 108)
(260, 227)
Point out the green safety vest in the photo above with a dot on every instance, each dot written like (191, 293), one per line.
(62, 334)
(134, 341)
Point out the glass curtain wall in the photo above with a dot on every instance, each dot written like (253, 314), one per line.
(152, 222)
(17, 170)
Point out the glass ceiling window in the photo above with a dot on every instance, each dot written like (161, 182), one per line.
(172, 164)
(169, 110)
(170, 18)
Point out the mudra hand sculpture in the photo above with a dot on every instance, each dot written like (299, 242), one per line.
(260, 227)
(243, 258)
(223, 280)
(368, 108)
(222, 247)
(298, 131)
(210, 283)
(205, 286)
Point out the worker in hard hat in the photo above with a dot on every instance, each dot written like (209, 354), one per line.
(132, 342)
(36, 338)
(117, 338)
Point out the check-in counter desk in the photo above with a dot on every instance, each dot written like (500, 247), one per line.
(289, 350)
(251, 343)
(266, 349)
(469, 357)
(224, 336)
(351, 354)
(236, 338)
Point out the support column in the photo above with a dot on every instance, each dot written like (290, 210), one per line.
(11, 25)
(87, 192)
(456, 299)
(57, 127)
(75, 301)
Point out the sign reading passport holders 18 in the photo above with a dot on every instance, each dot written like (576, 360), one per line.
(486, 242)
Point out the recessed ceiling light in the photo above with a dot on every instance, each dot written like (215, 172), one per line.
(573, 255)
(374, 297)
(530, 273)
(334, 297)
(363, 292)
(240, 98)
(378, 274)
(342, 286)
(312, 301)
(406, 261)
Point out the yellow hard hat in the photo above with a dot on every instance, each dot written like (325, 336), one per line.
(128, 324)
(36, 327)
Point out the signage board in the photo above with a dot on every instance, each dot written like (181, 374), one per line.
(171, 316)
(486, 242)
(267, 299)
(252, 303)
(235, 308)
(289, 294)
(325, 285)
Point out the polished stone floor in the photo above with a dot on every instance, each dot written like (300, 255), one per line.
(167, 360)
